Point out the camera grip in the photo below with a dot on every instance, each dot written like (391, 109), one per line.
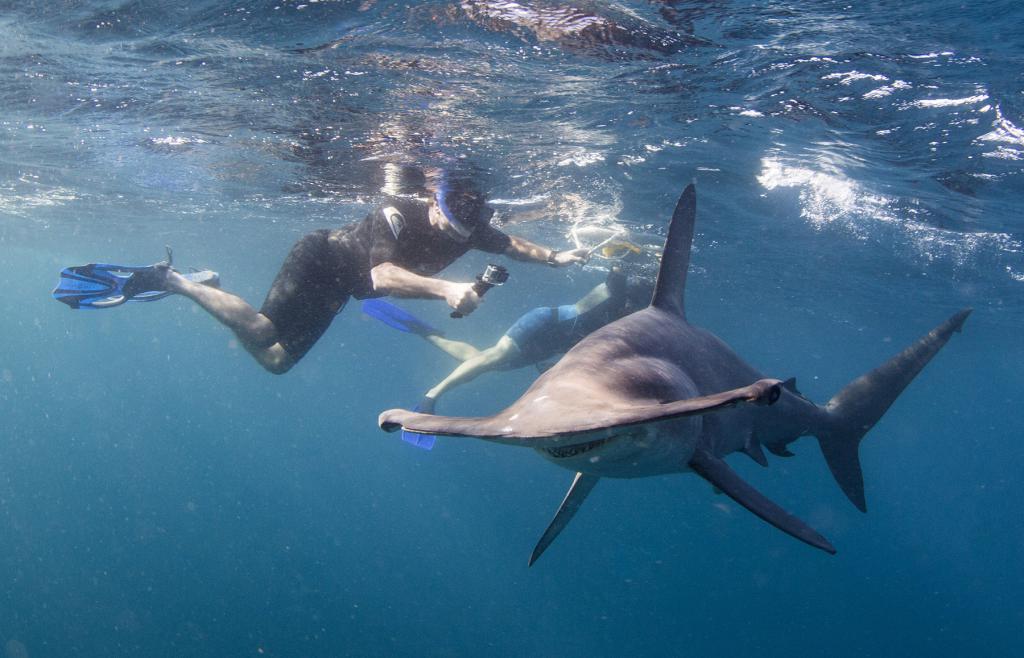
(480, 287)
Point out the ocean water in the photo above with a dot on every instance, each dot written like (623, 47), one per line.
(860, 171)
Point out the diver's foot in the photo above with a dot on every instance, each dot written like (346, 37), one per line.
(151, 279)
(426, 405)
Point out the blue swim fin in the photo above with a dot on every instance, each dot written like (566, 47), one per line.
(96, 285)
(397, 318)
(422, 441)
(102, 285)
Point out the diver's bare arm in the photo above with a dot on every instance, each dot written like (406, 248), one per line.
(390, 279)
(524, 250)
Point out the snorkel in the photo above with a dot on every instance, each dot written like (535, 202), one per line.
(441, 199)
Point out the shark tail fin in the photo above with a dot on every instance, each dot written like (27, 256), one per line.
(855, 409)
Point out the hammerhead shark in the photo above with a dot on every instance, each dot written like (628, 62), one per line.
(651, 394)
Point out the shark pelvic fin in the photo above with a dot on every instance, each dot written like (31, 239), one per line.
(577, 493)
(855, 409)
(718, 473)
(752, 448)
(675, 261)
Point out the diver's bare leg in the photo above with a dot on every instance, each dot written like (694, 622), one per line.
(486, 360)
(455, 348)
(253, 329)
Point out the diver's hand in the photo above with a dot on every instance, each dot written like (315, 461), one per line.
(461, 297)
(563, 258)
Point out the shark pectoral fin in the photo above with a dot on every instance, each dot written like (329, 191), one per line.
(718, 473)
(578, 491)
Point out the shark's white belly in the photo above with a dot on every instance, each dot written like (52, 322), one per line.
(630, 452)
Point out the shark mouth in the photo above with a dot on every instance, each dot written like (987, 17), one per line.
(565, 452)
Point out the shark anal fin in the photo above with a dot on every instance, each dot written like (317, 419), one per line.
(578, 491)
(718, 473)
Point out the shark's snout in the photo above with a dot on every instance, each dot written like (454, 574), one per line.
(388, 421)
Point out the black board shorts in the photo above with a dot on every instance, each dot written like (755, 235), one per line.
(313, 285)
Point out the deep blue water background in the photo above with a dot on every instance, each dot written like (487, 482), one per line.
(859, 167)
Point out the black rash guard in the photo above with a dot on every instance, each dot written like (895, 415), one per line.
(326, 267)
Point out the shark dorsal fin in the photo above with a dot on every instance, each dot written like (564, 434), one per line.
(668, 294)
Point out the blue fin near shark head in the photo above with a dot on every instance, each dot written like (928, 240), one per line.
(397, 318)
(422, 441)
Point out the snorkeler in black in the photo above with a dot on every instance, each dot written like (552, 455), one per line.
(395, 251)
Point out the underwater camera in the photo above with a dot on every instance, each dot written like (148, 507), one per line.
(493, 275)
